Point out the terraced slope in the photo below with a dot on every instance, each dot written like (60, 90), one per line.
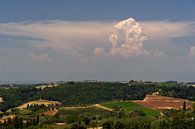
(162, 102)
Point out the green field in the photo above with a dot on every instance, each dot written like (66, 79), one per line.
(89, 112)
(130, 106)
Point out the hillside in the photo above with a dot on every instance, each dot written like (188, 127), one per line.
(163, 102)
(81, 93)
(39, 102)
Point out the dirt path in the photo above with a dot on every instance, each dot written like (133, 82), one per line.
(83, 107)
(103, 107)
(73, 108)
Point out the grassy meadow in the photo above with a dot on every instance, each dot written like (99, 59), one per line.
(130, 106)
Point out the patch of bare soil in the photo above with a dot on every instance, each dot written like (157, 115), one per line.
(162, 102)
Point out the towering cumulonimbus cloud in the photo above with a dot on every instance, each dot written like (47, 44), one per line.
(127, 40)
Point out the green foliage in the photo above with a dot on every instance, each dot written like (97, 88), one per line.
(15, 96)
(177, 90)
(78, 125)
(26, 112)
(90, 93)
(129, 106)
(37, 107)
(84, 93)
(108, 124)
(176, 121)
(126, 114)
(71, 116)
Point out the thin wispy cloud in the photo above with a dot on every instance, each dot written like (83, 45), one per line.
(40, 57)
(62, 36)
(164, 30)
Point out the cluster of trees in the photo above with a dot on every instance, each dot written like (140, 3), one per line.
(16, 96)
(19, 123)
(89, 93)
(174, 120)
(37, 107)
(177, 90)
(117, 119)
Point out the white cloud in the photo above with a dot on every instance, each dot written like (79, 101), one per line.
(60, 42)
(129, 36)
(61, 36)
(127, 40)
(164, 30)
(81, 37)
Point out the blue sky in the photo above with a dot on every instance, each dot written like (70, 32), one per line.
(81, 39)
(22, 10)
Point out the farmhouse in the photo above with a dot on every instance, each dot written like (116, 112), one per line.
(1, 99)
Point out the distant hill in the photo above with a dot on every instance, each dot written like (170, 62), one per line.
(81, 93)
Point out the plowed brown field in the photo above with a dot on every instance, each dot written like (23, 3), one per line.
(162, 102)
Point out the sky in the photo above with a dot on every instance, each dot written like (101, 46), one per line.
(108, 40)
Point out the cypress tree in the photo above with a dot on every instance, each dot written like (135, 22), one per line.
(184, 105)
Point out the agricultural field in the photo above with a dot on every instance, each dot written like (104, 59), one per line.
(129, 106)
(158, 102)
(31, 112)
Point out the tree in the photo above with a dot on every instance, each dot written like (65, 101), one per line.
(71, 118)
(107, 125)
(17, 123)
(193, 106)
(119, 125)
(37, 119)
(93, 123)
(78, 125)
(184, 105)
(179, 121)
(163, 123)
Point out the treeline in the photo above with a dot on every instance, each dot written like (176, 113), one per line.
(89, 93)
(79, 93)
